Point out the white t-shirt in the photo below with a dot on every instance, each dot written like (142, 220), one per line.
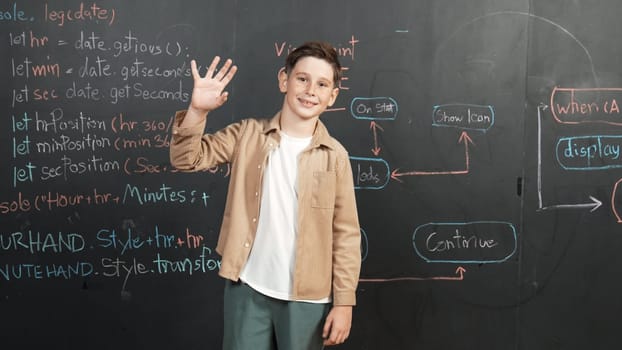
(270, 266)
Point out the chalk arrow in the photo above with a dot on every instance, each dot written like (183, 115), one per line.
(374, 127)
(464, 138)
(337, 109)
(459, 272)
(594, 204)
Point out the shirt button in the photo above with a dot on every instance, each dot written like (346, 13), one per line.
(256, 194)
(246, 245)
(259, 166)
(254, 219)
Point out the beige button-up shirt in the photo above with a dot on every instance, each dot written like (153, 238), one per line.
(328, 257)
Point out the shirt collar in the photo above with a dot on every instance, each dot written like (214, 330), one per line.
(320, 137)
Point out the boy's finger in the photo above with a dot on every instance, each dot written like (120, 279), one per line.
(230, 75)
(326, 329)
(224, 69)
(212, 67)
(195, 71)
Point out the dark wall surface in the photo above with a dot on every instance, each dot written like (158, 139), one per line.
(484, 138)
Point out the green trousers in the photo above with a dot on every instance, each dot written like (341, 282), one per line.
(253, 321)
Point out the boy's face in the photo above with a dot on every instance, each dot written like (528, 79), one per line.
(308, 88)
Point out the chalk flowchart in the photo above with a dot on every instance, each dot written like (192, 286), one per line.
(482, 242)
(460, 243)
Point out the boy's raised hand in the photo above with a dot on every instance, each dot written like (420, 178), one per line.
(207, 93)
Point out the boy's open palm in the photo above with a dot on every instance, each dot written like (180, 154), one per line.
(207, 93)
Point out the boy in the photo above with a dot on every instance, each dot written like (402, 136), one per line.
(290, 237)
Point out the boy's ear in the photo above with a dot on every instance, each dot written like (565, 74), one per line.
(282, 77)
(333, 96)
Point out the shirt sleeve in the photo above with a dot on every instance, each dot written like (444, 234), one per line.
(192, 150)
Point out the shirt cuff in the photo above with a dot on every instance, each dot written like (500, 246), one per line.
(344, 298)
(192, 130)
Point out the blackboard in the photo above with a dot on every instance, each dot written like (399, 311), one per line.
(484, 137)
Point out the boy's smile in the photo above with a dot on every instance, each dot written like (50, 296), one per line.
(306, 102)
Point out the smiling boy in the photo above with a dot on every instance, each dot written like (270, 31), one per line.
(290, 237)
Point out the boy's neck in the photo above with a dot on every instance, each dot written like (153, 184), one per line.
(297, 127)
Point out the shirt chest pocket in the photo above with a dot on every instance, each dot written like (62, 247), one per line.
(323, 189)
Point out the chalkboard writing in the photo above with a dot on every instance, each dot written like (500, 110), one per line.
(484, 141)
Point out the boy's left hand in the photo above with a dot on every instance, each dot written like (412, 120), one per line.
(337, 326)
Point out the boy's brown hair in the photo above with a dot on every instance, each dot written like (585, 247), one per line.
(317, 49)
